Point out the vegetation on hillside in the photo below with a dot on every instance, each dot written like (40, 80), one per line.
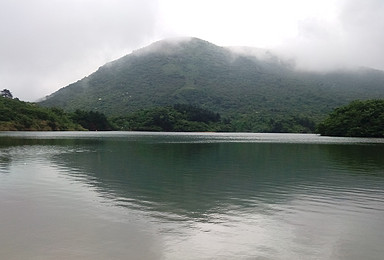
(19, 115)
(269, 123)
(177, 118)
(357, 119)
(188, 118)
(16, 115)
(94, 121)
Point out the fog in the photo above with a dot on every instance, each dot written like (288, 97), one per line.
(48, 44)
(354, 39)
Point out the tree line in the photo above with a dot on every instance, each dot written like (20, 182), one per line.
(16, 115)
(357, 119)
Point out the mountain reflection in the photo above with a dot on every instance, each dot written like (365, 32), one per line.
(166, 196)
(361, 159)
(193, 179)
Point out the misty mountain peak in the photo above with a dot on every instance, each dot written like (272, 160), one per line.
(173, 45)
(231, 82)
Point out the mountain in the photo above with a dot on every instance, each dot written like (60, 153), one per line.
(241, 85)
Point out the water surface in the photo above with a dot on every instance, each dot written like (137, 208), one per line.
(123, 195)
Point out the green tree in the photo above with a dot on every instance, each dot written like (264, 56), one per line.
(178, 118)
(357, 119)
(94, 121)
(19, 115)
(6, 93)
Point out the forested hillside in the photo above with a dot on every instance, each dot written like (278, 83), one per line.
(16, 115)
(19, 115)
(254, 94)
(177, 118)
(357, 119)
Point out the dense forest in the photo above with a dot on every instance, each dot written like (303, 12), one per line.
(16, 115)
(357, 119)
(177, 118)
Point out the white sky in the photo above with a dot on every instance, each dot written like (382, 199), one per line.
(48, 44)
(242, 22)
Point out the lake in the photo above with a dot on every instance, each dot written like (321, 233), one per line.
(135, 195)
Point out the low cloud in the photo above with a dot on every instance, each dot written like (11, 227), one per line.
(165, 46)
(354, 39)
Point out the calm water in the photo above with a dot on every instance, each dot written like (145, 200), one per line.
(128, 195)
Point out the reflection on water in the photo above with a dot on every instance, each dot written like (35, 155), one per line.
(190, 196)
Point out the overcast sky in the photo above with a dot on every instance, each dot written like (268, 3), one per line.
(48, 44)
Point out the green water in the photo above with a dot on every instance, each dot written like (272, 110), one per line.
(122, 195)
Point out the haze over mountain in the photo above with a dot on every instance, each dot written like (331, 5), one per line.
(231, 81)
